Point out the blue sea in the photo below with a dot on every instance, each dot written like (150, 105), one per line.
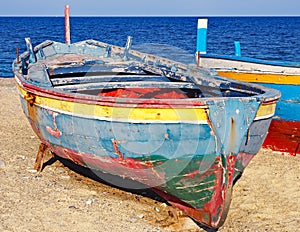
(272, 38)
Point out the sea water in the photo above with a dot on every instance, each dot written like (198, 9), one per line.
(271, 38)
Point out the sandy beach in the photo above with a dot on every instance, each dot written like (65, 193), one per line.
(266, 198)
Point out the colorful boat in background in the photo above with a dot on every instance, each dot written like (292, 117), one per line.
(284, 132)
(184, 133)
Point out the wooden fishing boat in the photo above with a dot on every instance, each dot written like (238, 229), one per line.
(284, 132)
(175, 128)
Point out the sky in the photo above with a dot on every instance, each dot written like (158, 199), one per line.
(151, 7)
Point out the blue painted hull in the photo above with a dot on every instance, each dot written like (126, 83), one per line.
(139, 140)
(288, 107)
(189, 141)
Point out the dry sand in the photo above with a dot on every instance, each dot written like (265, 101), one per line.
(266, 198)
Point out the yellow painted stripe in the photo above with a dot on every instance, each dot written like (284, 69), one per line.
(123, 113)
(265, 111)
(272, 78)
(192, 115)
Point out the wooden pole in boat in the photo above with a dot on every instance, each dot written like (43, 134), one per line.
(67, 25)
(201, 39)
(18, 56)
(198, 59)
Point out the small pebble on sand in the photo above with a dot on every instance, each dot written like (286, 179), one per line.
(2, 164)
(89, 201)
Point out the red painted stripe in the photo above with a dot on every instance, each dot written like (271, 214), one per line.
(284, 136)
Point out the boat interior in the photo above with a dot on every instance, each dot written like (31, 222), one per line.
(97, 78)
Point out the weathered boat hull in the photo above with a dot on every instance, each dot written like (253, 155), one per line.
(179, 160)
(190, 150)
(284, 132)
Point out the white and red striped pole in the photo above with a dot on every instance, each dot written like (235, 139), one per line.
(67, 25)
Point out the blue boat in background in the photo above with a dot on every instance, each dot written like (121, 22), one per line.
(284, 132)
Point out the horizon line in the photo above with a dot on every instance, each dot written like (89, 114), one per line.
(152, 15)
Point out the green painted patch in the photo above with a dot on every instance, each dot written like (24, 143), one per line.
(191, 184)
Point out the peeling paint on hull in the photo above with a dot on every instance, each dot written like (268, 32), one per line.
(184, 165)
(284, 135)
(284, 132)
(190, 150)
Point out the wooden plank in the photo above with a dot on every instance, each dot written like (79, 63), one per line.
(104, 78)
(115, 85)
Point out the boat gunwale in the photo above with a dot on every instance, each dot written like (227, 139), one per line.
(267, 96)
(109, 101)
(287, 64)
(50, 92)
